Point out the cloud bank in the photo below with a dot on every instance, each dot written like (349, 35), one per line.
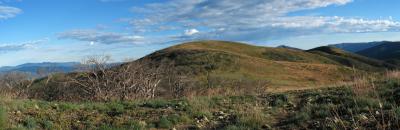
(4, 48)
(250, 20)
(100, 37)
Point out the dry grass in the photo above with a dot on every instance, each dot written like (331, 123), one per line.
(365, 89)
(293, 70)
(392, 74)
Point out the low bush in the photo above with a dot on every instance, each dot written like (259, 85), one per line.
(3, 117)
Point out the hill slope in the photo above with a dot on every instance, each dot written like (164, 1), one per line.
(289, 47)
(283, 68)
(388, 51)
(355, 47)
(226, 68)
(351, 60)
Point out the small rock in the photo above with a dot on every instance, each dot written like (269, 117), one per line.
(18, 112)
(377, 112)
(221, 112)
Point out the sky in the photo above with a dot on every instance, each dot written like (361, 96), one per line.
(69, 30)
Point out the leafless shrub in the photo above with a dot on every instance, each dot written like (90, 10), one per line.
(14, 84)
(139, 79)
(179, 85)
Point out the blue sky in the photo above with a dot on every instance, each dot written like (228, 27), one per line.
(69, 30)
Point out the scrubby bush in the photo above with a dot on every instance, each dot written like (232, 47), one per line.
(3, 117)
(164, 123)
(277, 99)
(30, 123)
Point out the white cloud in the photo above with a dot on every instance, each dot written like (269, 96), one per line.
(251, 19)
(21, 46)
(190, 32)
(101, 37)
(7, 12)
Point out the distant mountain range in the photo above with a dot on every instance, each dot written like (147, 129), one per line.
(385, 51)
(355, 47)
(45, 67)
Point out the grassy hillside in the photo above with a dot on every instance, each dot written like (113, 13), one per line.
(388, 51)
(246, 50)
(227, 68)
(282, 68)
(351, 60)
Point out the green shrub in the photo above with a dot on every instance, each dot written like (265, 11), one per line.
(159, 103)
(156, 104)
(249, 121)
(3, 117)
(115, 109)
(48, 125)
(236, 127)
(367, 103)
(135, 125)
(197, 114)
(171, 120)
(30, 123)
(278, 100)
(397, 112)
(110, 127)
(164, 123)
(67, 106)
(300, 117)
(321, 111)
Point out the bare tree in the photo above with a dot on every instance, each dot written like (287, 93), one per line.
(138, 79)
(15, 83)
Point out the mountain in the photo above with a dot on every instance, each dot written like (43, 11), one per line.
(222, 67)
(352, 60)
(387, 51)
(288, 47)
(46, 67)
(355, 47)
(231, 61)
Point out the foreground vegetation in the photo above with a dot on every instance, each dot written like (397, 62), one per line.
(368, 103)
(210, 85)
